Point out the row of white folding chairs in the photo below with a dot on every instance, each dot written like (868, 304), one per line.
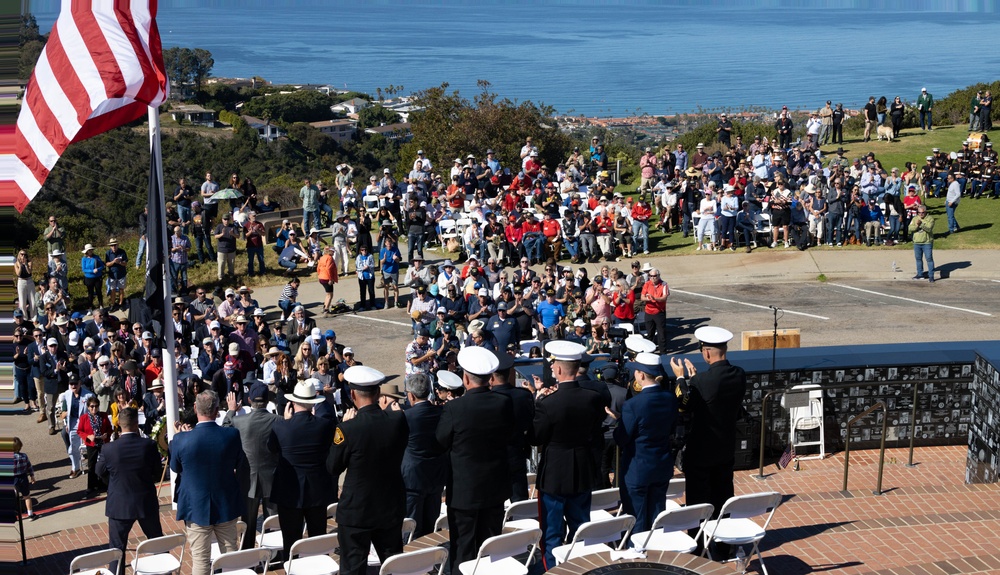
(156, 556)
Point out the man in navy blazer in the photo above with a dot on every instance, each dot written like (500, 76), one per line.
(129, 466)
(208, 492)
(645, 434)
(425, 466)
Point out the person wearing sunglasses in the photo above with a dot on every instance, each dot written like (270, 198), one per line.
(94, 429)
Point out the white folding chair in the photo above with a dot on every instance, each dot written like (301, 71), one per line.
(669, 529)
(244, 562)
(807, 418)
(270, 535)
(675, 491)
(311, 556)
(497, 554)
(763, 224)
(522, 515)
(735, 527)
(416, 562)
(447, 230)
(630, 328)
(602, 500)
(371, 204)
(241, 529)
(94, 563)
(594, 536)
(155, 556)
(441, 523)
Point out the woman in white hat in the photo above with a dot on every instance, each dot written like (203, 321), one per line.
(93, 273)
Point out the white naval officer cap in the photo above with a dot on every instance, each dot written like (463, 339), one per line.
(478, 360)
(647, 363)
(449, 380)
(561, 350)
(638, 344)
(712, 335)
(363, 378)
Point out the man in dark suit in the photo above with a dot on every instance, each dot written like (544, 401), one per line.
(299, 327)
(645, 436)
(714, 403)
(567, 419)
(129, 465)
(369, 445)
(425, 467)
(208, 494)
(476, 429)
(302, 486)
(519, 448)
(255, 429)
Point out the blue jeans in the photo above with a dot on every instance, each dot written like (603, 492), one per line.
(414, 243)
(185, 216)
(894, 227)
(952, 222)
(640, 231)
(533, 246)
(23, 386)
(926, 115)
(310, 218)
(324, 209)
(287, 264)
(286, 306)
(257, 253)
(140, 251)
(178, 272)
(921, 252)
(556, 511)
(572, 246)
(203, 249)
(728, 228)
(833, 229)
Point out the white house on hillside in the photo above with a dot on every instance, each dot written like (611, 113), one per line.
(265, 130)
(340, 130)
(352, 106)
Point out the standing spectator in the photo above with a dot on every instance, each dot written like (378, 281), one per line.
(645, 435)
(24, 477)
(143, 224)
(341, 251)
(208, 188)
(183, 196)
(202, 233)
(208, 501)
(475, 430)
(784, 126)
(55, 237)
(369, 445)
(640, 224)
(837, 123)
(302, 486)
(925, 105)
(654, 294)
(647, 169)
(567, 418)
(116, 261)
(94, 429)
(389, 258)
(729, 206)
(51, 368)
(25, 284)
(73, 404)
(364, 264)
(415, 218)
(93, 274)
(922, 231)
(179, 247)
(129, 466)
(519, 446)
(57, 269)
(724, 129)
(256, 237)
(225, 236)
(424, 467)
(713, 402)
(985, 112)
(826, 122)
(309, 194)
(896, 111)
(951, 200)
(326, 273)
(871, 117)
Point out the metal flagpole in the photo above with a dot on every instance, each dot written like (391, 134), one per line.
(169, 359)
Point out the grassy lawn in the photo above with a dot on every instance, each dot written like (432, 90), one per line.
(976, 217)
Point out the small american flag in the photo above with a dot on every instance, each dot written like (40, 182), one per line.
(786, 456)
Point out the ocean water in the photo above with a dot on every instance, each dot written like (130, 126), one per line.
(609, 59)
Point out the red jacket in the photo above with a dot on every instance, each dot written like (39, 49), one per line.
(83, 428)
(641, 212)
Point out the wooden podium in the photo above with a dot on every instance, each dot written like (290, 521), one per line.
(763, 339)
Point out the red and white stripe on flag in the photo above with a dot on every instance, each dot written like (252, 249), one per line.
(101, 67)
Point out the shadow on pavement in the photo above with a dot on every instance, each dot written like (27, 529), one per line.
(945, 269)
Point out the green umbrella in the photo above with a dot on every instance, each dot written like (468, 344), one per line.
(227, 194)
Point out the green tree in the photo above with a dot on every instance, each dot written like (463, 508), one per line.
(451, 126)
(298, 106)
(376, 115)
(30, 42)
(186, 65)
(201, 68)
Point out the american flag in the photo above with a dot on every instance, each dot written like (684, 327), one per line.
(101, 68)
(786, 457)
